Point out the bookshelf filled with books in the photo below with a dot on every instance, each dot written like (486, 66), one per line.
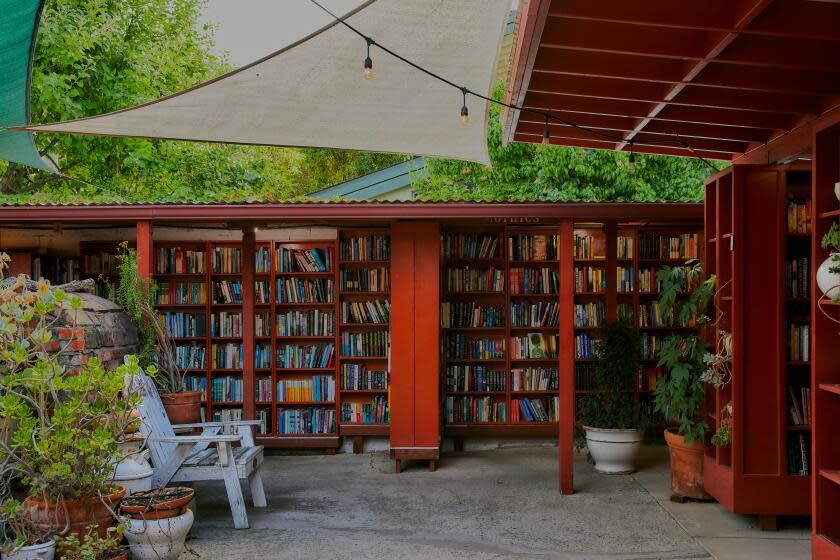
(364, 312)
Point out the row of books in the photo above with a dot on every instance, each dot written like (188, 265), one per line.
(685, 246)
(590, 314)
(799, 216)
(374, 412)
(262, 389)
(190, 357)
(534, 409)
(227, 415)
(474, 378)
(469, 314)
(226, 260)
(368, 343)
(625, 279)
(585, 346)
(262, 260)
(590, 279)
(650, 345)
(262, 356)
(470, 246)
(305, 260)
(306, 420)
(650, 315)
(196, 383)
(175, 260)
(262, 292)
(226, 389)
(466, 279)
(799, 405)
(181, 293)
(225, 291)
(357, 377)
(262, 324)
(226, 323)
(534, 281)
(226, 356)
(534, 346)
(56, 269)
(319, 388)
(182, 325)
(365, 279)
(534, 314)
(798, 277)
(305, 356)
(624, 245)
(584, 376)
(648, 282)
(460, 347)
(799, 342)
(369, 311)
(467, 410)
(263, 415)
(587, 247)
(99, 263)
(798, 453)
(534, 379)
(300, 290)
(365, 248)
(315, 322)
(624, 313)
(533, 247)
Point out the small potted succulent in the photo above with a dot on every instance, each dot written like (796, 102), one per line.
(21, 539)
(137, 297)
(94, 547)
(609, 416)
(157, 522)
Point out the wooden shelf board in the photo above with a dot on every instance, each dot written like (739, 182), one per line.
(362, 391)
(831, 474)
(470, 329)
(475, 393)
(364, 325)
(799, 427)
(304, 403)
(830, 387)
(364, 429)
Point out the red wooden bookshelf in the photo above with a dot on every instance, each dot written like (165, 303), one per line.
(825, 366)
(765, 470)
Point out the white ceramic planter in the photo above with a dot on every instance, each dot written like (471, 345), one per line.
(133, 472)
(44, 551)
(614, 451)
(158, 539)
(829, 282)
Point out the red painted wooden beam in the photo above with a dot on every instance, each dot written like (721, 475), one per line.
(661, 149)
(145, 251)
(731, 117)
(804, 53)
(803, 82)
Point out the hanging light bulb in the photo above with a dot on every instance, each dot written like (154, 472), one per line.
(465, 113)
(631, 161)
(368, 75)
(546, 140)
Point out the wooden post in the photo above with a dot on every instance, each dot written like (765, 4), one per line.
(248, 317)
(145, 250)
(566, 413)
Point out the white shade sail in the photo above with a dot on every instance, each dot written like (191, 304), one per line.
(312, 93)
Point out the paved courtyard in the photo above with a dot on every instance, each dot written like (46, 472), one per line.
(497, 504)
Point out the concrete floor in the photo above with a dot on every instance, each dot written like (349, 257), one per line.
(499, 504)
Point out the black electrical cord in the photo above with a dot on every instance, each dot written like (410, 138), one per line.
(466, 91)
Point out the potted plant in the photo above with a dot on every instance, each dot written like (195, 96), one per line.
(137, 296)
(94, 547)
(680, 393)
(610, 417)
(828, 273)
(157, 522)
(21, 539)
(65, 425)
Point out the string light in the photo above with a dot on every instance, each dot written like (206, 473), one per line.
(631, 161)
(465, 113)
(546, 134)
(368, 75)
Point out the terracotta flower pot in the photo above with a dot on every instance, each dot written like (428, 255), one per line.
(159, 514)
(182, 408)
(80, 513)
(686, 466)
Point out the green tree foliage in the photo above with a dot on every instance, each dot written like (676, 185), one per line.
(536, 172)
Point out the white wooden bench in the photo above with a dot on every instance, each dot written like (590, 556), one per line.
(190, 458)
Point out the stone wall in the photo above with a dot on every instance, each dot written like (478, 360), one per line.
(100, 329)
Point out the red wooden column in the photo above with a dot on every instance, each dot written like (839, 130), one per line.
(145, 250)
(415, 326)
(248, 270)
(566, 440)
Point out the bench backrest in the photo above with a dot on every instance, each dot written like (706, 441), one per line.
(154, 418)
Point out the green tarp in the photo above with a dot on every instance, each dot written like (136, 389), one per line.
(18, 26)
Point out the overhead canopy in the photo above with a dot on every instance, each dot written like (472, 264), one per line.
(312, 93)
(18, 25)
(725, 77)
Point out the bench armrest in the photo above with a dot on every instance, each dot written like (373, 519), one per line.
(196, 439)
(217, 424)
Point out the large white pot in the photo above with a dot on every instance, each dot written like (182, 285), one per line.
(133, 472)
(614, 451)
(829, 282)
(158, 539)
(44, 551)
